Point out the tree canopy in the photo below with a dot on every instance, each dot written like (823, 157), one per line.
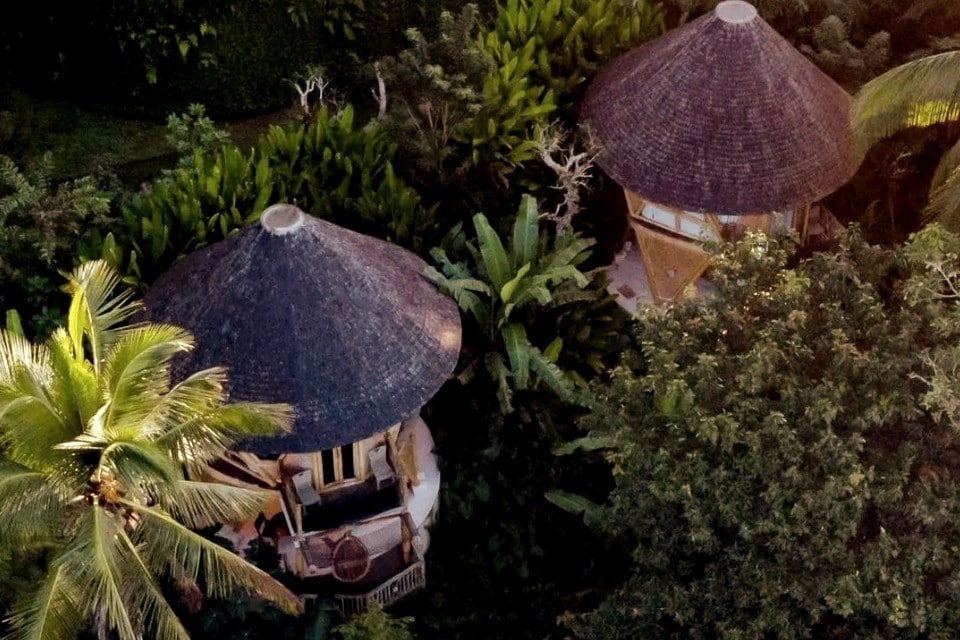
(785, 451)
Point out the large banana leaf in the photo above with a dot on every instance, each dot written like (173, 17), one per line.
(553, 377)
(495, 261)
(526, 233)
(518, 352)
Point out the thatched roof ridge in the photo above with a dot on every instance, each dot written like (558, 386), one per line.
(721, 115)
(341, 325)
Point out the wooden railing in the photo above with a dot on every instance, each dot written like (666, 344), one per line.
(411, 579)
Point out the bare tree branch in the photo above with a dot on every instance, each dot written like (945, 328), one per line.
(312, 83)
(573, 171)
(380, 93)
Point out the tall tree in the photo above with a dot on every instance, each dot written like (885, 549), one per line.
(94, 443)
(783, 460)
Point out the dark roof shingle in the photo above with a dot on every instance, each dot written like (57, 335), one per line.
(721, 115)
(341, 325)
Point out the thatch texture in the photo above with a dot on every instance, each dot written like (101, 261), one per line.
(721, 116)
(341, 325)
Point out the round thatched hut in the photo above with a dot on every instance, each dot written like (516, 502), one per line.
(346, 329)
(718, 124)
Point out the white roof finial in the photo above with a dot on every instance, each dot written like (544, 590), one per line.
(282, 219)
(736, 11)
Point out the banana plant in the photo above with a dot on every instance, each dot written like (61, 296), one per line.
(497, 285)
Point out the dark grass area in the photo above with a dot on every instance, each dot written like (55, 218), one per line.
(87, 139)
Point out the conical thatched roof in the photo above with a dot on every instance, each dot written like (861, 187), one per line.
(721, 115)
(341, 325)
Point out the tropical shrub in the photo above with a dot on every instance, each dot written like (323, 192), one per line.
(94, 445)
(193, 131)
(328, 168)
(434, 92)
(544, 56)
(470, 103)
(500, 287)
(374, 624)
(569, 40)
(42, 225)
(776, 472)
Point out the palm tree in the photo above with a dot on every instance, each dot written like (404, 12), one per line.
(917, 94)
(94, 445)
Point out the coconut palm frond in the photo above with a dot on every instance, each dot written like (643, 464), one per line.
(915, 94)
(207, 437)
(17, 352)
(199, 391)
(145, 596)
(138, 462)
(95, 311)
(949, 162)
(245, 419)
(99, 566)
(132, 462)
(74, 388)
(30, 421)
(944, 204)
(186, 554)
(30, 508)
(204, 504)
(52, 612)
(178, 413)
(137, 372)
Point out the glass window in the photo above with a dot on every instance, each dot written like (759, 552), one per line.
(346, 457)
(337, 465)
(327, 466)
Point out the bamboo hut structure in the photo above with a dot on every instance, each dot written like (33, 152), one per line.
(346, 329)
(714, 128)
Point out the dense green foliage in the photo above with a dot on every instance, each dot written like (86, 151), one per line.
(500, 288)
(776, 473)
(742, 522)
(328, 168)
(41, 227)
(374, 624)
(234, 56)
(94, 445)
(477, 110)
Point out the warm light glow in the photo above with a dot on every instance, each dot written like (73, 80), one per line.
(450, 338)
(927, 113)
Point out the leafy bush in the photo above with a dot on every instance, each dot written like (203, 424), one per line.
(329, 169)
(42, 227)
(569, 40)
(545, 53)
(434, 91)
(469, 103)
(776, 476)
(500, 288)
(193, 131)
(374, 624)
